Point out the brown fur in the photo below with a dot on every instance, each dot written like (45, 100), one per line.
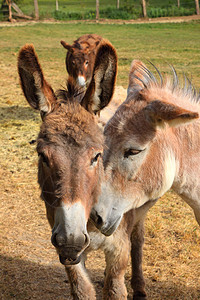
(80, 57)
(70, 169)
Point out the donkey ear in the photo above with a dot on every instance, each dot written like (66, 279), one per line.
(138, 76)
(159, 113)
(101, 87)
(66, 46)
(37, 91)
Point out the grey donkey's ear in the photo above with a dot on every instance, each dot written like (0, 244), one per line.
(37, 91)
(101, 87)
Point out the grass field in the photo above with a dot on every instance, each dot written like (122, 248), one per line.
(29, 265)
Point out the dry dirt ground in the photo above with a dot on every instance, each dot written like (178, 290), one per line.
(29, 266)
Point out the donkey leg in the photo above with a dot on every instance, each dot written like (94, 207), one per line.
(81, 286)
(137, 241)
(117, 250)
(116, 263)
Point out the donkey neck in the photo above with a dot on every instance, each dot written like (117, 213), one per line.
(187, 157)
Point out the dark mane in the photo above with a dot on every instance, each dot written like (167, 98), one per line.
(70, 93)
(77, 45)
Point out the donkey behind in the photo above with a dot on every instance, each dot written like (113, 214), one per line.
(147, 151)
(70, 169)
(80, 58)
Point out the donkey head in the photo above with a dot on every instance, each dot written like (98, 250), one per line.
(69, 146)
(140, 147)
(80, 59)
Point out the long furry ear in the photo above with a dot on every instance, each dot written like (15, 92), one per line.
(101, 88)
(159, 113)
(37, 91)
(66, 46)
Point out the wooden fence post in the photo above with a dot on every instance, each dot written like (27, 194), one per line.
(10, 10)
(97, 10)
(36, 9)
(144, 10)
(197, 6)
(56, 4)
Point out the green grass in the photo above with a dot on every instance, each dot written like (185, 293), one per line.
(163, 44)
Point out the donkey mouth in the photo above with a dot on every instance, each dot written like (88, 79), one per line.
(108, 230)
(66, 261)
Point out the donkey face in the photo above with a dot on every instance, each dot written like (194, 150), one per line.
(141, 149)
(80, 58)
(69, 147)
(79, 65)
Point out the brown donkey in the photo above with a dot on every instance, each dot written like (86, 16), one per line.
(70, 169)
(80, 58)
(147, 152)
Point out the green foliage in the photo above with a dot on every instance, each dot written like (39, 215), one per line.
(85, 9)
(171, 11)
(114, 13)
(62, 15)
(110, 12)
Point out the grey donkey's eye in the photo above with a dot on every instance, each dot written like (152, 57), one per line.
(131, 152)
(94, 159)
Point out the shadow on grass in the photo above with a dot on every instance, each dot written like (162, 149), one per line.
(16, 112)
(22, 279)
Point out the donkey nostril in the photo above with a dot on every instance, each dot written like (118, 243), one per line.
(96, 218)
(99, 220)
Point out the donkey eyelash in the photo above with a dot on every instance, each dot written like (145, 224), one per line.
(131, 152)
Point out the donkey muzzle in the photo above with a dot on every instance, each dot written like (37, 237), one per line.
(70, 247)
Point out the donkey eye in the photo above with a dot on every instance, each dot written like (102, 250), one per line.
(93, 160)
(131, 152)
(86, 63)
(44, 158)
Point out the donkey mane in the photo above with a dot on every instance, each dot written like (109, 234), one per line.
(78, 45)
(70, 93)
(179, 89)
